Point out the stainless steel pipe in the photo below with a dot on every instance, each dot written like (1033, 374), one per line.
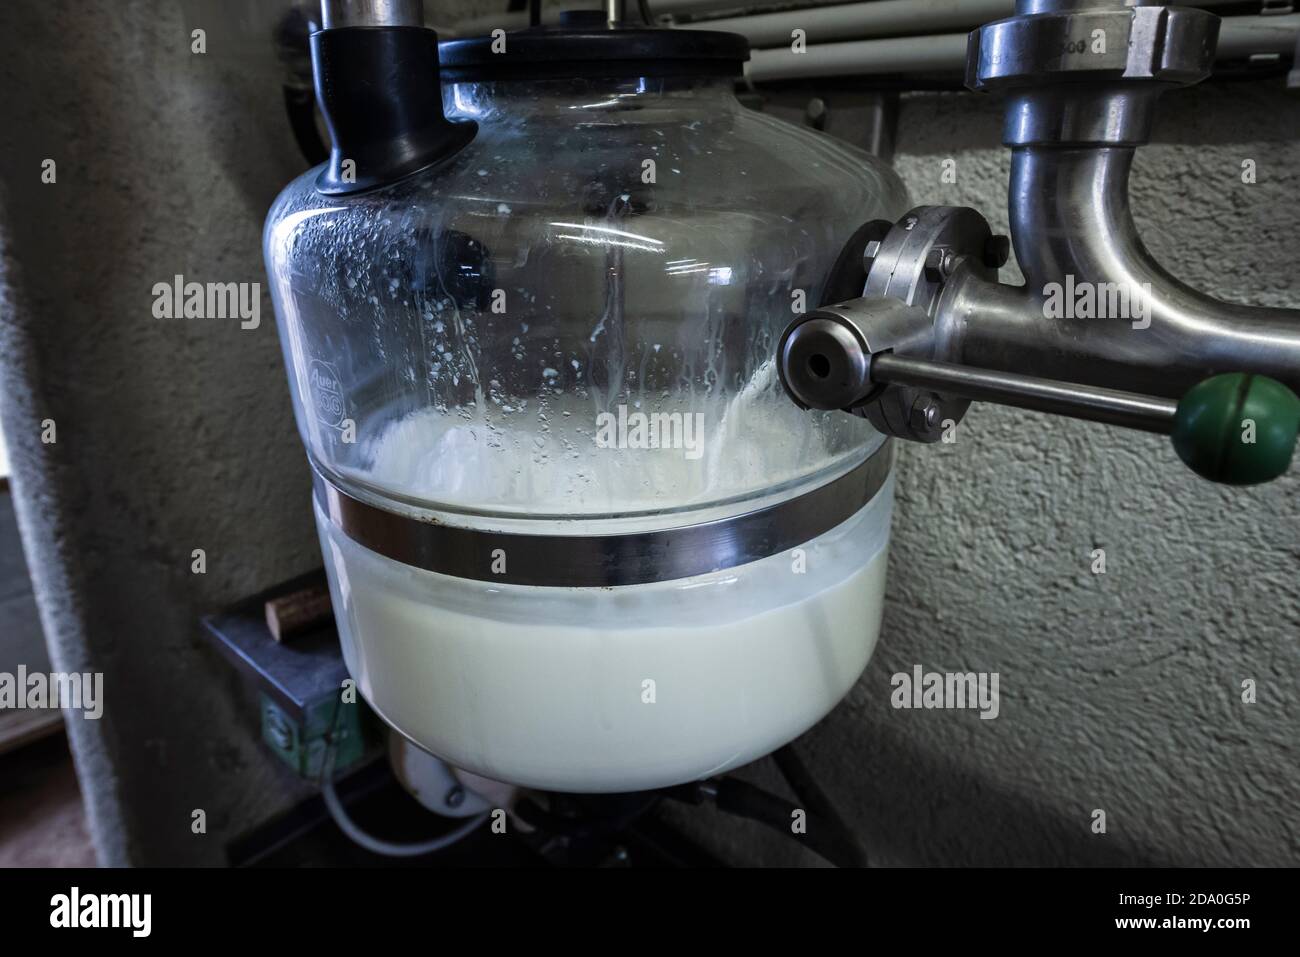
(1074, 120)
(858, 20)
(1072, 229)
(371, 13)
(1239, 38)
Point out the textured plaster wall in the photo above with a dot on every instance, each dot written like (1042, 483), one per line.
(171, 435)
(1119, 691)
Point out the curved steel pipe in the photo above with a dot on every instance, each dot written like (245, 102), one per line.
(1073, 230)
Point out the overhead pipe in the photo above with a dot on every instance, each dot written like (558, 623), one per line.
(861, 20)
(1239, 39)
(826, 18)
(942, 53)
(915, 49)
(516, 20)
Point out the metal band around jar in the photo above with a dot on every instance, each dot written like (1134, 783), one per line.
(605, 560)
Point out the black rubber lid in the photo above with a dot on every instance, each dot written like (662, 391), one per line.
(582, 46)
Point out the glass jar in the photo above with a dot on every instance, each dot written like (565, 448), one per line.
(563, 499)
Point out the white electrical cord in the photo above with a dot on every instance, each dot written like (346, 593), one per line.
(371, 843)
(389, 848)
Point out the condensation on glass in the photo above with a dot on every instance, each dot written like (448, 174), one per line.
(499, 341)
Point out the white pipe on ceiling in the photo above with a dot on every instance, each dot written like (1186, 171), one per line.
(1239, 38)
(878, 18)
(862, 20)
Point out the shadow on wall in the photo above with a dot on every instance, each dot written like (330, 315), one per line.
(919, 807)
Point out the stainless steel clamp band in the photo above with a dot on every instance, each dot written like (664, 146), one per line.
(605, 560)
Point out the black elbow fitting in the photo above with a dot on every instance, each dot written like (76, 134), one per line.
(380, 92)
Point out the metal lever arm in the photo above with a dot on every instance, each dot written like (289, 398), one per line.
(1129, 409)
(1237, 429)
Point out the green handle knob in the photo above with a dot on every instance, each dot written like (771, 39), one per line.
(1238, 429)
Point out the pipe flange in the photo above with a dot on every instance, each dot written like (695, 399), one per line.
(1104, 42)
(824, 358)
(925, 249)
(916, 262)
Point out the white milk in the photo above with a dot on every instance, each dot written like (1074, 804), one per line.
(613, 689)
(545, 459)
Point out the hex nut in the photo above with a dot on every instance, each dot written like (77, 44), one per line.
(938, 264)
(925, 413)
